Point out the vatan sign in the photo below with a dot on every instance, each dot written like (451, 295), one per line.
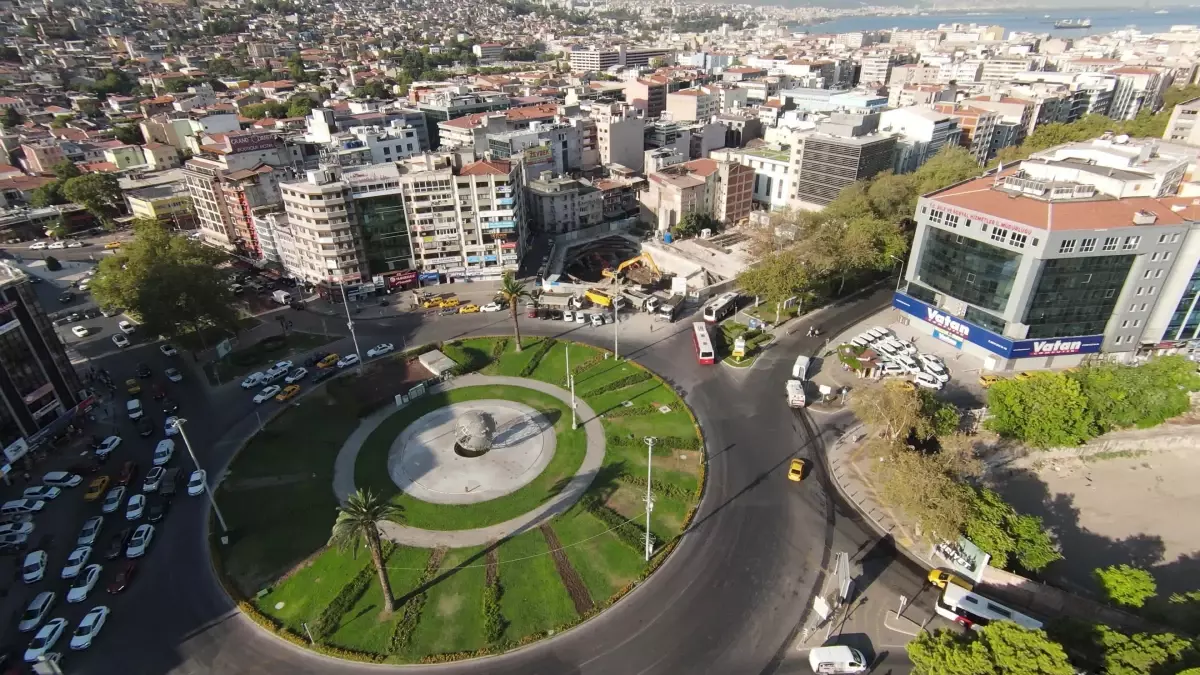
(955, 330)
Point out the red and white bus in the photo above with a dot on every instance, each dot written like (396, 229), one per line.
(721, 307)
(703, 345)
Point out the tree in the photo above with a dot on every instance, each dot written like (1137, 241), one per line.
(60, 121)
(53, 264)
(59, 229)
(1034, 546)
(1045, 410)
(997, 529)
(65, 169)
(178, 85)
(374, 89)
(1140, 653)
(952, 164)
(892, 197)
(258, 111)
(917, 485)
(172, 282)
(130, 134)
(694, 222)
(999, 648)
(113, 82)
(1126, 585)
(49, 194)
(891, 409)
(99, 193)
(777, 277)
(1120, 396)
(12, 118)
(300, 106)
(358, 524)
(511, 291)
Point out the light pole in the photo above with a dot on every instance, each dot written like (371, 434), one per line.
(650, 440)
(207, 488)
(574, 423)
(349, 321)
(616, 331)
(900, 277)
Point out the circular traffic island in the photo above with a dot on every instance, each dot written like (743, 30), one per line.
(519, 515)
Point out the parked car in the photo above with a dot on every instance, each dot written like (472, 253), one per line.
(120, 340)
(153, 478)
(34, 567)
(116, 545)
(84, 583)
(96, 488)
(164, 451)
(492, 307)
(196, 481)
(173, 374)
(89, 531)
(89, 627)
(928, 381)
(37, 610)
(62, 479)
(139, 543)
(347, 361)
(135, 508)
(252, 380)
(79, 331)
(107, 446)
(76, 561)
(287, 393)
(123, 578)
(112, 501)
(168, 350)
(266, 394)
(128, 472)
(45, 492)
(296, 375)
(380, 349)
(45, 639)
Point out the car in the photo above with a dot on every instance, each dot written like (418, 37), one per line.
(941, 578)
(110, 311)
(195, 484)
(891, 369)
(112, 245)
(904, 347)
(134, 408)
(158, 510)
(930, 358)
(937, 371)
(133, 387)
(580, 317)
(796, 470)
(18, 527)
(37, 610)
(84, 583)
(531, 312)
(492, 307)
(909, 364)
(62, 479)
(986, 381)
(448, 311)
(140, 541)
(14, 540)
(266, 394)
(38, 246)
(887, 349)
(568, 316)
(144, 427)
(596, 320)
(173, 374)
(1024, 375)
(76, 244)
(89, 627)
(96, 488)
(126, 327)
(329, 361)
(323, 375)
(347, 361)
(861, 342)
(143, 371)
(296, 375)
(168, 350)
(135, 508)
(169, 426)
(79, 331)
(128, 472)
(89, 531)
(169, 406)
(281, 367)
(123, 578)
(116, 545)
(74, 316)
(380, 349)
(120, 340)
(45, 639)
(469, 308)
(57, 245)
(76, 561)
(163, 452)
(33, 568)
(287, 393)
(926, 380)
(153, 478)
(157, 393)
(41, 492)
(252, 380)
(24, 506)
(107, 445)
(112, 500)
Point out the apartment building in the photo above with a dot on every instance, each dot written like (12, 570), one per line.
(903, 96)
(472, 131)
(557, 204)
(620, 135)
(921, 134)
(730, 98)
(648, 94)
(844, 149)
(1137, 88)
(772, 186)
(1003, 69)
(323, 239)
(1182, 126)
(875, 69)
(170, 203)
(1016, 118)
(489, 51)
(454, 103)
(563, 140)
(720, 188)
(41, 156)
(978, 128)
(692, 104)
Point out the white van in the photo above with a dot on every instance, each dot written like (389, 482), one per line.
(800, 369)
(837, 659)
(134, 408)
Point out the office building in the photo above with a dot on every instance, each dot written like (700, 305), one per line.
(600, 58)
(489, 51)
(719, 188)
(1182, 127)
(772, 173)
(620, 135)
(557, 204)
(844, 149)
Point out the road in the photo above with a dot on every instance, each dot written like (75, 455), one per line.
(730, 600)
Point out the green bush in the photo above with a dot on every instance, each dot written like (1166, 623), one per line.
(543, 347)
(667, 489)
(498, 348)
(411, 613)
(665, 445)
(493, 620)
(627, 381)
(586, 365)
(625, 530)
(632, 411)
(327, 622)
(52, 264)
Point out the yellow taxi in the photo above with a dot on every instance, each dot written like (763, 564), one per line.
(940, 578)
(288, 392)
(112, 245)
(96, 489)
(469, 308)
(431, 303)
(133, 387)
(796, 470)
(329, 361)
(450, 302)
(1024, 376)
(986, 381)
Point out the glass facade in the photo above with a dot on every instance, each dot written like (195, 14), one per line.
(969, 270)
(385, 233)
(1076, 296)
(1185, 321)
(988, 321)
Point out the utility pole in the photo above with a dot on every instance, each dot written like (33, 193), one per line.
(650, 440)
(616, 332)
(207, 487)
(349, 321)
(574, 422)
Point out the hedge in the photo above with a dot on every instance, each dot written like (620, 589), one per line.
(628, 380)
(665, 445)
(625, 530)
(586, 365)
(411, 615)
(274, 627)
(632, 411)
(673, 491)
(544, 346)
(326, 623)
(498, 348)
(493, 620)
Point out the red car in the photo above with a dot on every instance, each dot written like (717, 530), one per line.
(129, 472)
(531, 312)
(124, 578)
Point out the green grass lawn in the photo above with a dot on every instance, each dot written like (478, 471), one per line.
(251, 358)
(511, 363)
(553, 368)
(361, 629)
(306, 593)
(371, 467)
(605, 563)
(534, 598)
(452, 620)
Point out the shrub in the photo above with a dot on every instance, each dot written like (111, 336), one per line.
(667, 489)
(52, 264)
(498, 348)
(632, 411)
(327, 622)
(586, 365)
(543, 347)
(493, 620)
(628, 380)
(411, 613)
(625, 530)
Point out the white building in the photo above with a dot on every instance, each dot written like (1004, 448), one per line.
(620, 135)
(922, 134)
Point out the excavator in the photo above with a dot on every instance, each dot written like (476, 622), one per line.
(646, 274)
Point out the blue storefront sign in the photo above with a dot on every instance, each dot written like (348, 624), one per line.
(472, 258)
(430, 277)
(489, 258)
(955, 330)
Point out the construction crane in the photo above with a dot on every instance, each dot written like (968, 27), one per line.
(651, 275)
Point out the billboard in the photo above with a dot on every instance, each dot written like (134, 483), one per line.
(955, 330)
(251, 142)
(537, 154)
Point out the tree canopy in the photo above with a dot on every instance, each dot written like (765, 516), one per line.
(1126, 585)
(1044, 410)
(99, 193)
(999, 648)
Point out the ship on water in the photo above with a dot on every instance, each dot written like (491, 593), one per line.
(1073, 23)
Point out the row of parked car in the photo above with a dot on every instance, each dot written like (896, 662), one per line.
(571, 316)
(899, 358)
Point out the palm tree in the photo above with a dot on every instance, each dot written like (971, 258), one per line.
(511, 291)
(358, 522)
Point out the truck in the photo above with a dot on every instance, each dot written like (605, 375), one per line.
(639, 300)
(282, 297)
(668, 309)
(800, 368)
(795, 394)
(558, 301)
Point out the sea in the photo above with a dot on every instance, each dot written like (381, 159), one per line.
(1026, 21)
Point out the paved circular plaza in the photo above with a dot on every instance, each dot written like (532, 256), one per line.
(423, 460)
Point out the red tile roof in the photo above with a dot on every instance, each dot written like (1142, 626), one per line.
(702, 167)
(490, 167)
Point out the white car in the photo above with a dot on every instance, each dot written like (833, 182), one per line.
(84, 583)
(107, 446)
(930, 358)
(252, 380)
(876, 334)
(928, 381)
(37, 610)
(597, 320)
(112, 500)
(57, 245)
(909, 364)
(569, 316)
(76, 562)
(75, 244)
(580, 317)
(41, 492)
(296, 375)
(79, 331)
(16, 528)
(140, 541)
(126, 327)
(134, 408)
(173, 374)
(153, 478)
(38, 246)
(266, 394)
(169, 427)
(937, 371)
(34, 567)
(44, 641)
(62, 479)
(279, 368)
(347, 361)
(120, 340)
(904, 347)
(163, 452)
(887, 349)
(168, 350)
(492, 307)
(135, 508)
(892, 370)
(196, 483)
(89, 627)
(90, 531)
(381, 349)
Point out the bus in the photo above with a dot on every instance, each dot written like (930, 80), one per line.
(701, 341)
(975, 611)
(721, 307)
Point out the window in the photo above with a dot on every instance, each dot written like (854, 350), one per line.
(1152, 290)
(1133, 307)
(1175, 238)
(1158, 274)
(1154, 258)
(1130, 243)
(999, 235)
(1119, 339)
(1018, 240)
(948, 259)
(1124, 324)
(1141, 290)
(970, 278)
(935, 216)
(1137, 323)
(1067, 246)
(1110, 244)
(1162, 239)
(1087, 245)
(1075, 296)
(1146, 274)
(1166, 256)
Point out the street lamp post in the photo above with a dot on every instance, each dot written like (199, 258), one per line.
(349, 321)
(650, 440)
(899, 277)
(207, 487)
(616, 331)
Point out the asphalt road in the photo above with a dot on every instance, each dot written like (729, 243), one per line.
(730, 599)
